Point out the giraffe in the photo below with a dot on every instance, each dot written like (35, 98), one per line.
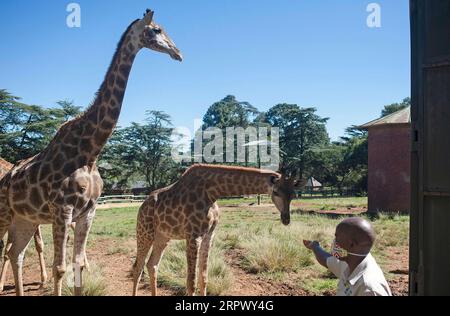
(187, 210)
(62, 184)
(5, 167)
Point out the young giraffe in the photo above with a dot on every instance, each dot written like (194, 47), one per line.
(188, 210)
(5, 167)
(61, 185)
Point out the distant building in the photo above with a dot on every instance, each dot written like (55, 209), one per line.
(140, 187)
(389, 162)
(312, 184)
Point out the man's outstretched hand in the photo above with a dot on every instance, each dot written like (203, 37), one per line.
(320, 254)
(310, 244)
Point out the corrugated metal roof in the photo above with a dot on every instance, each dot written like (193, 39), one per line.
(399, 117)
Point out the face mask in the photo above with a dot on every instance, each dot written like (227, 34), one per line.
(339, 252)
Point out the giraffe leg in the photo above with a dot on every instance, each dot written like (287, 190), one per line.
(5, 215)
(86, 263)
(23, 233)
(39, 244)
(6, 261)
(203, 261)
(143, 247)
(60, 233)
(159, 245)
(2, 246)
(192, 250)
(82, 229)
(5, 224)
(5, 267)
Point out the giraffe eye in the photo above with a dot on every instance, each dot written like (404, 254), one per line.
(157, 31)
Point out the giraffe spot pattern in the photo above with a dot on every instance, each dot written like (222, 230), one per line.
(35, 197)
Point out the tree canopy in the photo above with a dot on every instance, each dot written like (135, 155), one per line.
(301, 131)
(394, 107)
(25, 129)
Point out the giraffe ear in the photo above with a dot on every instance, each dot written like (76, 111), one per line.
(148, 17)
(274, 179)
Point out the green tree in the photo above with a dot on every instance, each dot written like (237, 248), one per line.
(342, 164)
(25, 129)
(394, 107)
(140, 152)
(301, 132)
(117, 164)
(67, 110)
(229, 112)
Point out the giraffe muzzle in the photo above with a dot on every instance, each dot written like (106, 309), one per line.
(177, 56)
(286, 219)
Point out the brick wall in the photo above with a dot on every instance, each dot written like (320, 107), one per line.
(389, 168)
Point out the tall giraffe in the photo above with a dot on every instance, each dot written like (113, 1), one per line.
(188, 210)
(38, 240)
(5, 167)
(61, 184)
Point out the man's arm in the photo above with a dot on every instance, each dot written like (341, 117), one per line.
(321, 255)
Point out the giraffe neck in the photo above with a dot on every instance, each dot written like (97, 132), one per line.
(102, 116)
(223, 181)
(82, 139)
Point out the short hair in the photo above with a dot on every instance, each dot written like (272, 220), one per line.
(360, 230)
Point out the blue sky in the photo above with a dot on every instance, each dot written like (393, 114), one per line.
(312, 53)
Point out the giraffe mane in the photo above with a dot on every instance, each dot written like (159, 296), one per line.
(122, 39)
(226, 169)
(76, 118)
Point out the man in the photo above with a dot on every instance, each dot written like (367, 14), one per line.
(351, 261)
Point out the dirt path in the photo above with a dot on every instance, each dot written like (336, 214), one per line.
(247, 284)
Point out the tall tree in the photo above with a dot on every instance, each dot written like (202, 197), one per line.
(26, 129)
(301, 131)
(140, 152)
(229, 112)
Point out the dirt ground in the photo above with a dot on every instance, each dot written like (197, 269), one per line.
(116, 269)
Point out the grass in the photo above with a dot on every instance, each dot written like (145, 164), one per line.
(173, 270)
(329, 204)
(94, 284)
(254, 237)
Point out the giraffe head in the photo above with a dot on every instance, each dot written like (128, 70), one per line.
(152, 36)
(283, 191)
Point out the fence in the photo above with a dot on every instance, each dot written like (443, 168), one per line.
(322, 193)
(121, 199)
(330, 192)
